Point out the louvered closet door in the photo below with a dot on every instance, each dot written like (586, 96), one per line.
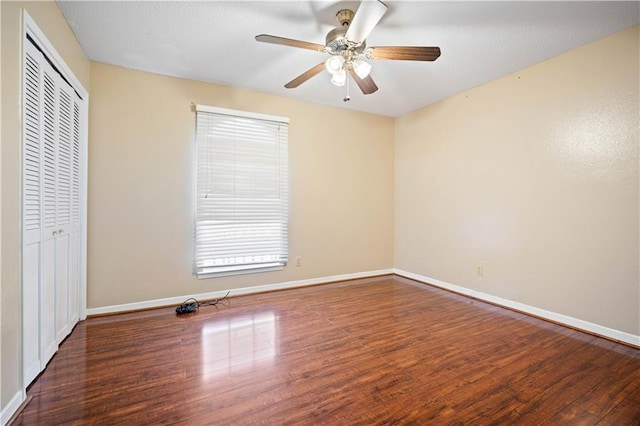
(49, 143)
(74, 226)
(63, 207)
(31, 213)
(52, 172)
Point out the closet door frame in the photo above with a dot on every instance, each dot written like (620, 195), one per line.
(30, 29)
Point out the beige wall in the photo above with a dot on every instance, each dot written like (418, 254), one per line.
(535, 177)
(140, 187)
(52, 23)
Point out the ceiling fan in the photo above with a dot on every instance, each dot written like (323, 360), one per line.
(347, 46)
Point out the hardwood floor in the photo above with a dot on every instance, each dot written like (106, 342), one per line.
(376, 351)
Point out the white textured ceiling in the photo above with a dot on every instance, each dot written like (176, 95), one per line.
(213, 41)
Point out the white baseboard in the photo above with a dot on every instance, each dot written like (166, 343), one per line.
(532, 310)
(148, 304)
(10, 409)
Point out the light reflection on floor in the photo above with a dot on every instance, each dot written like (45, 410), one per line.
(238, 344)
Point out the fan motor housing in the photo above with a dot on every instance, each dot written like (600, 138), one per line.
(336, 41)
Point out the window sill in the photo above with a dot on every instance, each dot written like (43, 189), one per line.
(204, 273)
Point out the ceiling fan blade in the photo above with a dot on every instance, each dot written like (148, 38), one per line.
(265, 38)
(366, 18)
(404, 53)
(367, 85)
(305, 76)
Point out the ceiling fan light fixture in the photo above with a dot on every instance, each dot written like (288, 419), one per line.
(361, 68)
(334, 64)
(339, 77)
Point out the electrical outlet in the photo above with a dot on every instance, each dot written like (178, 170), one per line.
(479, 270)
(298, 261)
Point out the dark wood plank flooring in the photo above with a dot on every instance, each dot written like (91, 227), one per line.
(376, 351)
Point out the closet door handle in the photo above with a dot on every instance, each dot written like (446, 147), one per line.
(55, 233)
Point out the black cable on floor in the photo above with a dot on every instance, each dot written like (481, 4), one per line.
(192, 305)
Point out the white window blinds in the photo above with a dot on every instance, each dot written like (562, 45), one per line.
(241, 192)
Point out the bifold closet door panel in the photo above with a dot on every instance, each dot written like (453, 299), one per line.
(31, 213)
(74, 229)
(49, 143)
(63, 207)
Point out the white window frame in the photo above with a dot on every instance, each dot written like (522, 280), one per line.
(254, 266)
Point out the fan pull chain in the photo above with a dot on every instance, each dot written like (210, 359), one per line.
(347, 98)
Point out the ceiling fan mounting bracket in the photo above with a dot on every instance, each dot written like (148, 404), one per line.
(344, 17)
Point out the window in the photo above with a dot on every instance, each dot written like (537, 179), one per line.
(242, 192)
